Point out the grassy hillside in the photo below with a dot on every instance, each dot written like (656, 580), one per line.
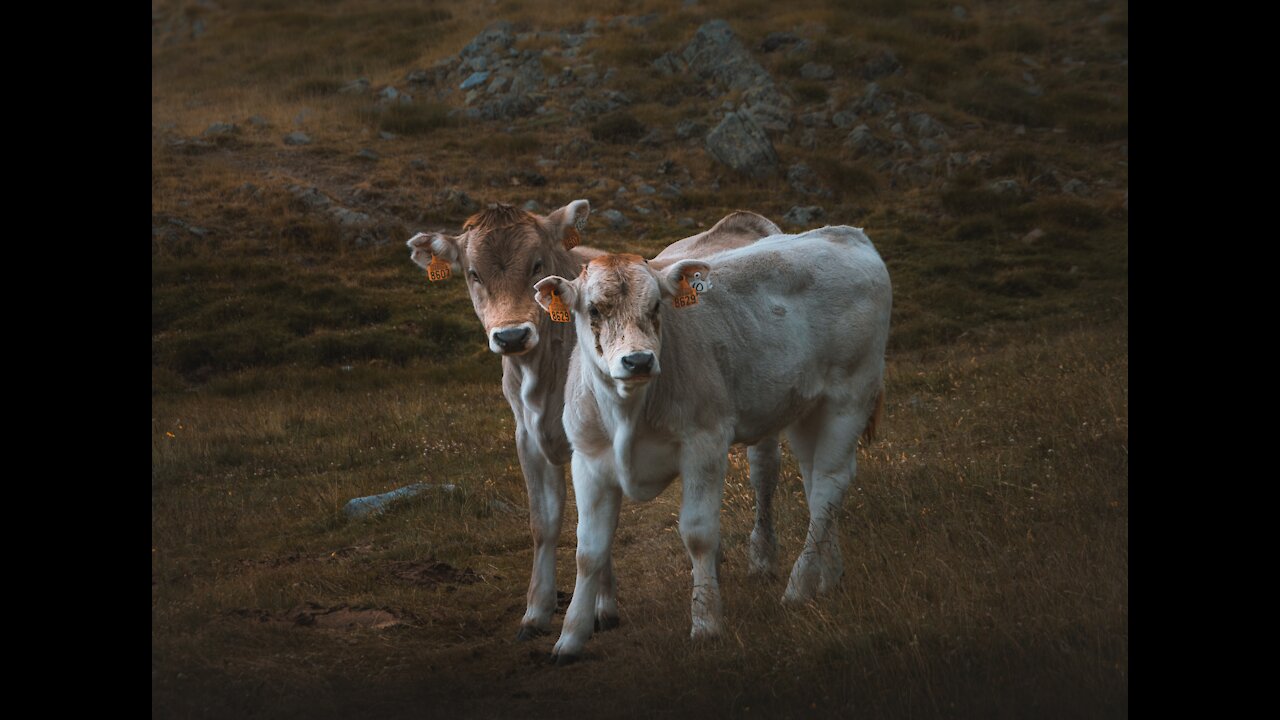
(299, 359)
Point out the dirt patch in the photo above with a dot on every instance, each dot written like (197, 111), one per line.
(430, 573)
(291, 558)
(340, 617)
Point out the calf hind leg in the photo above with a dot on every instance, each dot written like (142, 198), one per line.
(766, 459)
(833, 438)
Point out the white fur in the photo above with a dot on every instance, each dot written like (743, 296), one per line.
(793, 338)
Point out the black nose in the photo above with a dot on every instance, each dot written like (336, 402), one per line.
(511, 340)
(641, 362)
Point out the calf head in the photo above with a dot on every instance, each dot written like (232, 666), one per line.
(618, 302)
(501, 252)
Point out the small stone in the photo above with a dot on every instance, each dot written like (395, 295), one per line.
(418, 164)
(930, 146)
(814, 119)
(864, 143)
(221, 128)
(1005, 187)
(686, 129)
(359, 86)
(844, 119)
(923, 125)
(384, 135)
(817, 71)
(803, 216)
(1020, 130)
(1075, 187)
(367, 154)
(259, 122)
(297, 138)
(474, 79)
(645, 189)
(686, 222)
(1033, 236)
(534, 207)
(615, 219)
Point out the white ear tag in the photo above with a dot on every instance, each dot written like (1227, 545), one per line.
(699, 283)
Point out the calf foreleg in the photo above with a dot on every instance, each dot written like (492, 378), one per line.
(545, 484)
(703, 487)
(598, 498)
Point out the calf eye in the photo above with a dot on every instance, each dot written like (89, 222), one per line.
(536, 268)
(595, 314)
(475, 278)
(657, 305)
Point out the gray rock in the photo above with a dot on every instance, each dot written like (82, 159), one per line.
(653, 138)
(474, 79)
(221, 129)
(958, 12)
(882, 64)
(686, 129)
(670, 64)
(874, 101)
(457, 201)
(671, 190)
(498, 84)
(805, 181)
(477, 63)
(297, 138)
(715, 54)
(814, 119)
(259, 122)
(367, 154)
(863, 142)
(646, 189)
(621, 191)
(844, 119)
(1005, 187)
(384, 135)
(925, 126)
(347, 216)
(686, 222)
(930, 146)
(359, 86)
(1033, 237)
(817, 71)
(615, 219)
(913, 174)
(742, 145)
(897, 129)
(803, 216)
(775, 40)
(902, 147)
(809, 139)
(534, 206)
(1076, 187)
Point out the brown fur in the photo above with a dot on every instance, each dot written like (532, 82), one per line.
(498, 216)
(873, 422)
(615, 261)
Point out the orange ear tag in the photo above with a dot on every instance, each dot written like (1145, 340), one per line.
(438, 269)
(558, 310)
(685, 294)
(571, 238)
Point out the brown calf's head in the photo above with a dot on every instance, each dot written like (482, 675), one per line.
(501, 253)
(618, 301)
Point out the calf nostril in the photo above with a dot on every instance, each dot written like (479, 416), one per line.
(511, 339)
(638, 362)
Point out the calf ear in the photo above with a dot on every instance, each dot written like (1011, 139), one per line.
(669, 279)
(568, 222)
(424, 245)
(543, 292)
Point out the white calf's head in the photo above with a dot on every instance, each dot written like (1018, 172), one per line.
(501, 253)
(618, 302)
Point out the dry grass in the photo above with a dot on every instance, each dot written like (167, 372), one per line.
(298, 362)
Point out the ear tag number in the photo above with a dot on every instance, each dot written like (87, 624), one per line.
(571, 238)
(438, 269)
(558, 310)
(685, 295)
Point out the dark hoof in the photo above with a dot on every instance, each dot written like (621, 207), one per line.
(607, 623)
(529, 632)
(564, 659)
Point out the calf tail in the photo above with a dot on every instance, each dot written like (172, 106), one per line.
(873, 422)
